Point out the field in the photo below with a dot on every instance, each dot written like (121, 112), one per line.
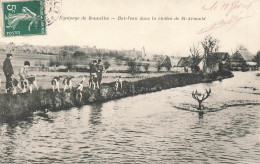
(44, 78)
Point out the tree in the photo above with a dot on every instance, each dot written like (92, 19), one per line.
(210, 45)
(69, 64)
(168, 67)
(133, 66)
(257, 58)
(195, 53)
(146, 67)
(64, 54)
(106, 65)
(79, 54)
(195, 56)
(158, 66)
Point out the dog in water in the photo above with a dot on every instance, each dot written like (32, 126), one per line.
(118, 83)
(67, 82)
(80, 90)
(56, 83)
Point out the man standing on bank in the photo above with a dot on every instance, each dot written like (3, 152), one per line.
(99, 72)
(93, 75)
(8, 71)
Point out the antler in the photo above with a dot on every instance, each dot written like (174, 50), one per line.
(208, 94)
(196, 95)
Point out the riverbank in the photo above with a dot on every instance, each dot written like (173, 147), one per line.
(22, 103)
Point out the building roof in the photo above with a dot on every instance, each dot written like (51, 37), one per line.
(168, 61)
(217, 57)
(246, 55)
(185, 62)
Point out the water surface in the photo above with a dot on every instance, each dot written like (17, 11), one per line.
(149, 128)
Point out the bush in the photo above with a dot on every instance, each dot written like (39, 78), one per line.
(69, 65)
(52, 62)
(158, 66)
(106, 65)
(133, 67)
(146, 67)
(168, 67)
(226, 73)
(213, 75)
(195, 69)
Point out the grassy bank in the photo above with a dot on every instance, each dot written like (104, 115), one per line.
(21, 103)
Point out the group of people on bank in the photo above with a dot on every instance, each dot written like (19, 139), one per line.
(96, 69)
(27, 81)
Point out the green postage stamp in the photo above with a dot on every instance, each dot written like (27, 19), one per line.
(24, 18)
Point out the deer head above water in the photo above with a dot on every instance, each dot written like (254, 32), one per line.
(201, 97)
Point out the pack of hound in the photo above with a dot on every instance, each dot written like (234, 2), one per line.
(23, 85)
(67, 82)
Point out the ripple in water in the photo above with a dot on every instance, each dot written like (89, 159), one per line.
(150, 128)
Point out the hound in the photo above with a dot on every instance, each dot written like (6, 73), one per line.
(118, 82)
(56, 83)
(32, 81)
(13, 88)
(24, 85)
(93, 81)
(67, 82)
(80, 90)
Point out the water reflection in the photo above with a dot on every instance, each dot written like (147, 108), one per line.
(44, 116)
(159, 127)
(10, 129)
(95, 117)
(201, 115)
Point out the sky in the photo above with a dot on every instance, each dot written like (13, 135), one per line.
(233, 22)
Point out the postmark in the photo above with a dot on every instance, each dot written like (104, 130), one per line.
(22, 18)
(52, 10)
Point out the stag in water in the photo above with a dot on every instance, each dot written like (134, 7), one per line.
(200, 97)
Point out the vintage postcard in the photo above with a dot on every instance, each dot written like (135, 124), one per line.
(129, 81)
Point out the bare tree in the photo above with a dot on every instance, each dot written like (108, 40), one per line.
(200, 97)
(257, 58)
(146, 67)
(195, 55)
(195, 51)
(210, 45)
(158, 66)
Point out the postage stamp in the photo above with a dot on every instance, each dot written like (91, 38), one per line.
(24, 18)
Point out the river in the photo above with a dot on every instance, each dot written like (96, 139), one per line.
(148, 128)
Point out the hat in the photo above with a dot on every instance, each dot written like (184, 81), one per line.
(8, 55)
